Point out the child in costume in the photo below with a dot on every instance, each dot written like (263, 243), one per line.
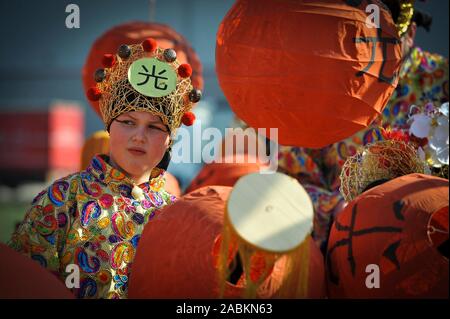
(94, 218)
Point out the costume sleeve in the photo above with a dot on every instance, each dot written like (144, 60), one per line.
(41, 235)
(310, 166)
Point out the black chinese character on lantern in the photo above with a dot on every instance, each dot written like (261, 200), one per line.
(353, 234)
(384, 43)
(162, 86)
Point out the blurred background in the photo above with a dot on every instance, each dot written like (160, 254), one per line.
(45, 116)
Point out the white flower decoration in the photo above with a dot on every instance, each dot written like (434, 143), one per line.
(433, 124)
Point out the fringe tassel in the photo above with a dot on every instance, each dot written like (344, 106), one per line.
(295, 281)
(296, 269)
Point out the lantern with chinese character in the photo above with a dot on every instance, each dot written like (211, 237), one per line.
(134, 33)
(392, 242)
(318, 71)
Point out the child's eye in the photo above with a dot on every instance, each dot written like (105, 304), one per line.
(127, 122)
(156, 127)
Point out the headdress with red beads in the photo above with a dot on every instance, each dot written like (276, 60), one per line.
(117, 94)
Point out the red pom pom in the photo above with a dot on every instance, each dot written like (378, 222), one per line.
(94, 94)
(109, 60)
(188, 118)
(395, 135)
(149, 45)
(184, 70)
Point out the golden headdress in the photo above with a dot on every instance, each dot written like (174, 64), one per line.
(402, 12)
(144, 77)
(379, 161)
(405, 16)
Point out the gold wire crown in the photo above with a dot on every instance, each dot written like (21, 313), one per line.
(405, 16)
(116, 94)
(382, 160)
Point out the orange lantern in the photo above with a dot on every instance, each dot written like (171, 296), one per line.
(387, 243)
(223, 174)
(133, 33)
(22, 277)
(316, 70)
(97, 143)
(232, 165)
(177, 254)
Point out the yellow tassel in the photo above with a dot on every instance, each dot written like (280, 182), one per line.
(223, 270)
(295, 280)
(296, 269)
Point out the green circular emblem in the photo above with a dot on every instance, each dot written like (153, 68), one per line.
(151, 77)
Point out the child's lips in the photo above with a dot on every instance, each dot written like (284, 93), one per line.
(137, 151)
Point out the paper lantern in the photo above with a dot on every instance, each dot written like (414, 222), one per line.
(269, 218)
(230, 166)
(183, 264)
(133, 33)
(315, 70)
(389, 242)
(97, 143)
(23, 278)
(223, 174)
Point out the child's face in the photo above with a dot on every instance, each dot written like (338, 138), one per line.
(138, 141)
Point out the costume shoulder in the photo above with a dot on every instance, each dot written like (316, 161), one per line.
(168, 198)
(433, 63)
(60, 191)
(43, 230)
(439, 59)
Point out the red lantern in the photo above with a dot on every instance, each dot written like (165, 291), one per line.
(176, 256)
(385, 238)
(232, 165)
(22, 277)
(313, 69)
(97, 143)
(134, 33)
(223, 174)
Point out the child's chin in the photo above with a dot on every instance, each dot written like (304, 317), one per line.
(137, 168)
